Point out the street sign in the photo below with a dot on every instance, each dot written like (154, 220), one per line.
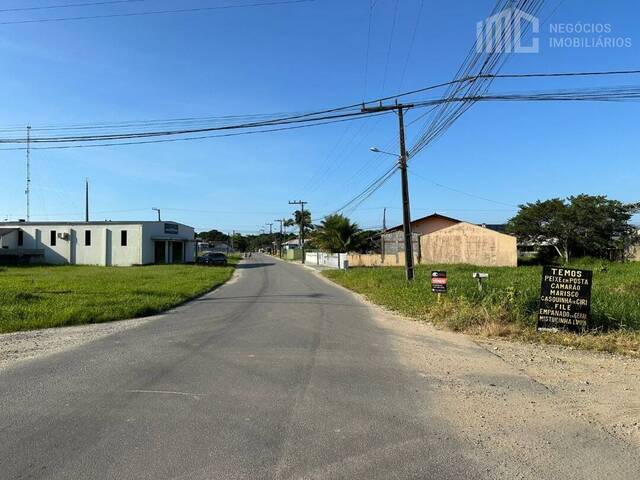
(565, 299)
(439, 281)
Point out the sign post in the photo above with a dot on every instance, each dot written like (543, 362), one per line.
(479, 277)
(439, 282)
(565, 299)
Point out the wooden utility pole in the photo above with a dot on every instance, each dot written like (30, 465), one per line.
(281, 222)
(384, 230)
(301, 233)
(270, 236)
(402, 165)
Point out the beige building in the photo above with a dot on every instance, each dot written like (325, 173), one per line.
(468, 243)
(444, 239)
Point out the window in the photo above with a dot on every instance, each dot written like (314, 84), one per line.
(20, 238)
(53, 238)
(87, 238)
(123, 238)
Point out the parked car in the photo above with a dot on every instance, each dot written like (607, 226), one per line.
(212, 258)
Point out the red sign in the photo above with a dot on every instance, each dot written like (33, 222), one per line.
(439, 282)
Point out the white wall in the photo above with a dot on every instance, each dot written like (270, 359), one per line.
(157, 230)
(105, 247)
(334, 260)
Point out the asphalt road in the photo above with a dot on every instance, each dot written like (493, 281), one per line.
(276, 375)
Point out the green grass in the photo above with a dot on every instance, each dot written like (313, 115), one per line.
(41, 297)
(508, 304)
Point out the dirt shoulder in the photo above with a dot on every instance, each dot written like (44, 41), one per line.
(598, 387)
(523, 388)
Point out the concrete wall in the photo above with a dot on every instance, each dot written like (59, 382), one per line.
(467, 243)
(292, 254)
(105, 248)
(157, 230)
(393, 242)
(333, 260)
(375, 260)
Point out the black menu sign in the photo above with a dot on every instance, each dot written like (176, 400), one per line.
(565, 299)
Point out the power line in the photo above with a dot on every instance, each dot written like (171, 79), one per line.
(624, 93)
(393, 29)
(472, 195)
(273, 119)
(366, 57)
(69, 5)
(155, 12)
(201, 137)
(413, 39)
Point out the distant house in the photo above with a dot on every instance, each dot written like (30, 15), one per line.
(292, 244)
(441, 239)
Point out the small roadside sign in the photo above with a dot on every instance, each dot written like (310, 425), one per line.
(439, 281)
(565, 299)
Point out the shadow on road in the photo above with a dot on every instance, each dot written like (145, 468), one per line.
(253, 265)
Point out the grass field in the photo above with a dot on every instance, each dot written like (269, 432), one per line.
(508, 304)
(40, 297)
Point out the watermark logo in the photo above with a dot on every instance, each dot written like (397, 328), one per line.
(503, 32)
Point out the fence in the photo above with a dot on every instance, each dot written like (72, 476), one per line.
(333, 260)
(292, 254)
(377, 260)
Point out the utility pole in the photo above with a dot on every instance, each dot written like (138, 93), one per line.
(28, 189)
(233, 234)
(270, 234)
(384, 230)
(402, 164)
(301, 233)
(86, 200)
(157, 210)
(281, 222)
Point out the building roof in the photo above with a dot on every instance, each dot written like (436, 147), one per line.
(423, 219)
(104, 222)
(293, 241)
(496, 227)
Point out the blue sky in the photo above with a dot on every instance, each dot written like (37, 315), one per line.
(299, 57)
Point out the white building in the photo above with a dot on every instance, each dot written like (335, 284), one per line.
(96, 243)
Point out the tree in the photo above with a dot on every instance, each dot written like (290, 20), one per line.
(213, 236)
(295, 221)
(336, 233)
(580, 225)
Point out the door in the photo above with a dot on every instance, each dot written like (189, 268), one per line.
(158, 248)
(176, 252)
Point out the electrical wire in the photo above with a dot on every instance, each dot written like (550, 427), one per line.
(155, 12)
(413, 39)
(69, 5)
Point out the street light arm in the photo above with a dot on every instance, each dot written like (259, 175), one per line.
(377, 150)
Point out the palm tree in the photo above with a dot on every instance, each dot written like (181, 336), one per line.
(336, 233)
(295, 221)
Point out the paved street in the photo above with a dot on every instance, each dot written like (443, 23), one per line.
(280, 375)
